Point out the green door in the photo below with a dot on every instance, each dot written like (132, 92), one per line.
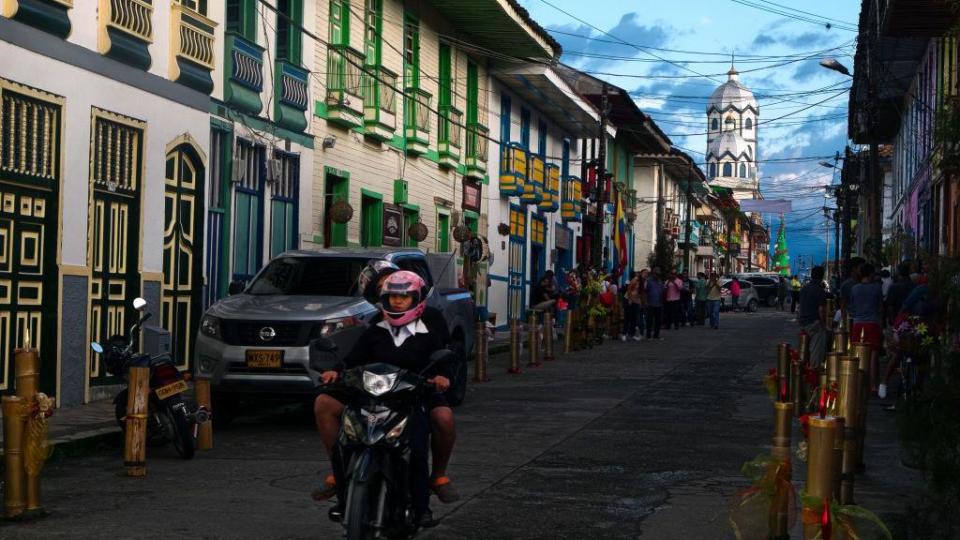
(336, 188)
(29, 192)
(410, 218)
(371, 224)
(443, 233)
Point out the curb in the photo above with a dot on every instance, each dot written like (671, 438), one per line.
(78, 444)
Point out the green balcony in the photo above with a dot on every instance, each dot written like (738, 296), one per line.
(449, 133)
(476, 156)
(379, 103)
(345, 105)
(244, 74)
(416, 120)
(293, 95)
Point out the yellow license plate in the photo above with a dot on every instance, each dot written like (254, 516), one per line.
(171, 389)
(264, 359)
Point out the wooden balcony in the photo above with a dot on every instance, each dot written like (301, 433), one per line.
(416, 120)
(450, 124)
(379, 103)
(192, 59)
(126, 31)
(476, 152)
(344, 86)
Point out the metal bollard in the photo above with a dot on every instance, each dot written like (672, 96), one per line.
(548, 336)
(14, 483)
(533, 335)
(568, 332)
(515, 347)
(480, 348)
(849, 403)
(820, 456)
(135, 432)
(201, 388)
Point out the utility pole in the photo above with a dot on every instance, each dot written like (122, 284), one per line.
(875, 183)
(601, 181)
(686, 245)
(750, 244)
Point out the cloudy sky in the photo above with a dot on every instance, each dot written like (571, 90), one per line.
(671, 56)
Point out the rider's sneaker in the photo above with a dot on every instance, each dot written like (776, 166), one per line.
(444, 490)
(328, 490)
(882, 391)
(424, 519)
(336, 513)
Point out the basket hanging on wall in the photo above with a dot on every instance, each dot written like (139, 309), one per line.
(462, 233)
(341, 211)
(418, 231)
(503, 229)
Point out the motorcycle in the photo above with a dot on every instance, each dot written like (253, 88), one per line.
(169, 419)
(374, 446)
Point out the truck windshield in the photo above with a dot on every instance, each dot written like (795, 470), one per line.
(308, 276)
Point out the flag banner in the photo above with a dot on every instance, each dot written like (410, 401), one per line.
(777, 206)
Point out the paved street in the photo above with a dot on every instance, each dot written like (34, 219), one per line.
(627, 440)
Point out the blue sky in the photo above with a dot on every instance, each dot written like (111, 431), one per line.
(680, 51)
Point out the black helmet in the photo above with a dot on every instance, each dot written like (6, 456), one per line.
(370, 277)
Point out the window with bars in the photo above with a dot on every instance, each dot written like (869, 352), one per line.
(339, 22)
(372, 31)
(411, 51)
(200, 6)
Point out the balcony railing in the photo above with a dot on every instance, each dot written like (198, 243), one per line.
(570, 207)
(476, 151)
(379, 102)
(345, 85)
(551, 189)
(130, 16)
(533, 189)
(513, 169)
(449, 131)
(416, 119)
(193, 37)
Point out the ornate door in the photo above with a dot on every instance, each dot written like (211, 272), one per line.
(516, 262)
(116, 173)
(29, 185)
(182, 249)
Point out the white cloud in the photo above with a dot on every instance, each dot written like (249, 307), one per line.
(646, 103)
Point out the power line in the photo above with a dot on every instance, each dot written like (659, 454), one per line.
(822, 21)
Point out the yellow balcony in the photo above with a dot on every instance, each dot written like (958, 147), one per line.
(533, 190)
(572, 198)
(513, 170)
(126, 31)
(191, 48)
(551, 190)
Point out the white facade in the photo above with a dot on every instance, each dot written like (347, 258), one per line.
(732, 118)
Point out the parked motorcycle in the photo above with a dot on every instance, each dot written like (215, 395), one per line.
(169, 419)
(374, 446)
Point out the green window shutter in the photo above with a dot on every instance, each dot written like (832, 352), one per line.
(373, 31)
(289, 33)
(411, 51)
(445, 93)
(338, 231)
(410, 217)
(473, 91)
(339, 22)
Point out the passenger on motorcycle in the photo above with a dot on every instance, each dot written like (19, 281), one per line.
(406, 335)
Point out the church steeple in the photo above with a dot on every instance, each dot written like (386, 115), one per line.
(733, 74)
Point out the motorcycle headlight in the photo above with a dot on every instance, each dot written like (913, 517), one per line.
(397, 430)
(350, 427)
(210, 326)
(377, 385)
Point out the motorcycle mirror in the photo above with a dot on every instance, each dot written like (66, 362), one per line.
(97, 348)
(139, 304)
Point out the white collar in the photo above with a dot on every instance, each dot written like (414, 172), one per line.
(404, 332)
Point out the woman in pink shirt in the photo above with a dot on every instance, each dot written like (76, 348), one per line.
(735, 294)
(673, 287)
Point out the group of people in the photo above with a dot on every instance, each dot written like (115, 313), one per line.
(875, 302)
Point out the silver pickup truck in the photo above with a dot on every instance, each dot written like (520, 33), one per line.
(259, 343)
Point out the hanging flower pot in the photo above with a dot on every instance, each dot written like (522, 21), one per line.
(462, 233)
(503, 229)
(341, 211)
(418, 231)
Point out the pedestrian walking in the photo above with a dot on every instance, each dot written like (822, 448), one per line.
(735, 293)
(686, 301)
(713, 300)
(782, 293)
(631, 305)
(812, 315)
(655, 292)
(674, 295)
(866, 308)
(794, 293)
(700, 298)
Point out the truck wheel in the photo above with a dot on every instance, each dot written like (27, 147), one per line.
(753, 305)
(458, 382)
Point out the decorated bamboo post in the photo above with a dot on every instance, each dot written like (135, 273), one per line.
(848, 405)
(480, 353)
(135, 432)
(14, 481)
(783, 368)
(804, 347)
(779, 525)
(204, 429)
(833, 367)
(568, 331)
(837, 457)
(37, 408)
(548, 336)
(514, 347)
(820, 457)
(840, 341)
(533, 352)
(863, 353)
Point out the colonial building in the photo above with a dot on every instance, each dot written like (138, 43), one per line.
(104, 138)
(732, 115)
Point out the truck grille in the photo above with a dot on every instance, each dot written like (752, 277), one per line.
(286, 369)
(287, 334)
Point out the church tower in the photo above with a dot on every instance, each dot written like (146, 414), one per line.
(732, 114)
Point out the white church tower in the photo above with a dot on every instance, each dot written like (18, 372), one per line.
(732, 114)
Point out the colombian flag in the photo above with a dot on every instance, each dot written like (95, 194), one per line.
(620, 235)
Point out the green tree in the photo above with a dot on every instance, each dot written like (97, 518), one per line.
(781, 261)
(663, 254)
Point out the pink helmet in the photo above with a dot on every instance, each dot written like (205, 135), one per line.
(409, 284)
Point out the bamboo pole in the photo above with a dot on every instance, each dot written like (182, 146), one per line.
(27, 366)
(480, 353)
(514, 347)
(862, 353)
(783, 367)
(533, 352)
(820, 456)
(135, 433)
(14, 482)
(779, 523)
(205, 429)
(568, 332)
(548, 336)
(849, 403)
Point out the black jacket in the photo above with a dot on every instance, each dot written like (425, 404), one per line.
(376, 345)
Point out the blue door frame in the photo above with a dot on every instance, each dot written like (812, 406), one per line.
(517, 263)
(249, 195)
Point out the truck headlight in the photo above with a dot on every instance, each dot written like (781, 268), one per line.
(210, 326)
(336, 325)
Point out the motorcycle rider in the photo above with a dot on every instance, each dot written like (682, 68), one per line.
(406, 335)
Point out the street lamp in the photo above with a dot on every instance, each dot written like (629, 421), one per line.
(834, 65)
(827, 165)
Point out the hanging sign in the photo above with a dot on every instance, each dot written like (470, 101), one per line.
(392, 225)
(471, 195)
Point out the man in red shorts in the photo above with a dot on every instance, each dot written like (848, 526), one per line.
(866, 308)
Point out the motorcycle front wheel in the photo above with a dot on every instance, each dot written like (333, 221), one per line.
(358, 511)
